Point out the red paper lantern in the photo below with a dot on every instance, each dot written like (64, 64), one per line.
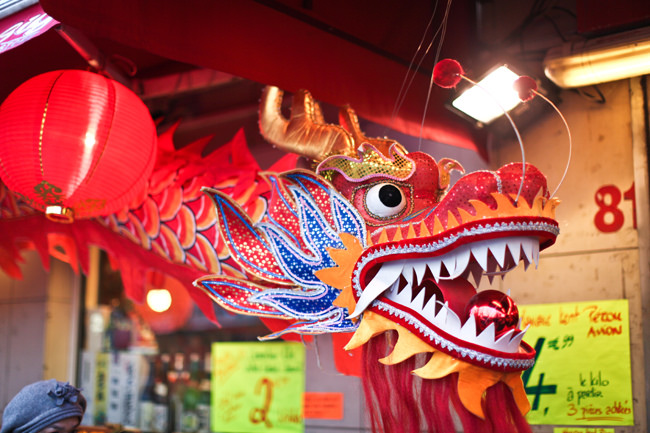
(75, 144)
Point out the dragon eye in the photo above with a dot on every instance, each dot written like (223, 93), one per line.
(385, 200)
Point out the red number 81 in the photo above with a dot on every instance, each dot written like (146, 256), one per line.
(608, 198)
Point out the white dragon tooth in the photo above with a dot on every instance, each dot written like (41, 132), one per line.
(441, 318)
(394, 287)
(508, 293)
(468, 331)
(450, 263)
(498, 250)
(452, 322)
(387, 275)
(418, 302)
(462, 260)
(420, 267)
(536, 254)
(516, 340)
(403, 297)
(503, 342)
(480, 253)
(486, 337)
(528, 251)
(513, 344)
(430, 308)
(434, 267)
(514, 246)
(407, 273)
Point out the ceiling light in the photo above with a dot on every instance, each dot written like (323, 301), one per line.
(599, 60)
(490, 97)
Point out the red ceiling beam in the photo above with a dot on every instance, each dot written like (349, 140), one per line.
(257, 42)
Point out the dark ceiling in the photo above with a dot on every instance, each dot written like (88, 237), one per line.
(206, 61)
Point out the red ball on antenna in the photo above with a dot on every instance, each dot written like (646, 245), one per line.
(525, 87)
(447, 73)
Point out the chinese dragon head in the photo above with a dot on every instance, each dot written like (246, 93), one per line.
(375, 242)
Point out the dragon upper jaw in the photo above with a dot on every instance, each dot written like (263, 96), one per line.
(470, 259)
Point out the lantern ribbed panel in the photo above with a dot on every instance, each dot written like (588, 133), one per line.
(78, 131)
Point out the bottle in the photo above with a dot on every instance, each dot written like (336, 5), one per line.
(205, 387)
(178, 379)
(162, 414)
(146, 403)
(190, 399)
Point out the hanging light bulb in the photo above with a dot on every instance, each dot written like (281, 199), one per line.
(159, 300)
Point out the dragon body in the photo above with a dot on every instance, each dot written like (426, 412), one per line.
(169, 229)
(374, 242)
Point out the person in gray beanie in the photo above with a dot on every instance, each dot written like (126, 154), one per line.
(47, 406)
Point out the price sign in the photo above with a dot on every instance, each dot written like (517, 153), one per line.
(257, 387)
(582, 372)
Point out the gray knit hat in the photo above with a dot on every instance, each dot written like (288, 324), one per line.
(41, 404)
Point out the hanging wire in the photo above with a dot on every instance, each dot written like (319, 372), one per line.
(514, 127)
(566, 125)
(443, 27)
(316, 351)
(411, 72)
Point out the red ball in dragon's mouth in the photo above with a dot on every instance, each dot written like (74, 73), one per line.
(492, 306)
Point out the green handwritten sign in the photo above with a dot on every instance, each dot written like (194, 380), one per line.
(582, 373)
(257, 387)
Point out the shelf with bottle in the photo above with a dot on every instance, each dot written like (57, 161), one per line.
(176, 395)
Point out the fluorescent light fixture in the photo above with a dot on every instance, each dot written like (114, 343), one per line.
(493, 95)
(599, 60)
(8, 7)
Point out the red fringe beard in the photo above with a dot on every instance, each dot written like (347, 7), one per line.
(398, 401)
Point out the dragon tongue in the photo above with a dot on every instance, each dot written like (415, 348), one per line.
(457, 294)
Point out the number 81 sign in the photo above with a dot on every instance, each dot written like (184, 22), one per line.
(609, 217)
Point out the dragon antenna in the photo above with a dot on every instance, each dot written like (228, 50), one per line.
(527, 90)
(447, 74)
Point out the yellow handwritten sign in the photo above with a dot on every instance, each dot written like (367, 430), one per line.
(582, 430)
(582, 373)
(257, 387)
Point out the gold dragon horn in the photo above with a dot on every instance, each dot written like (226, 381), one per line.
(349, 120)
(445, 167)
(306, 132)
